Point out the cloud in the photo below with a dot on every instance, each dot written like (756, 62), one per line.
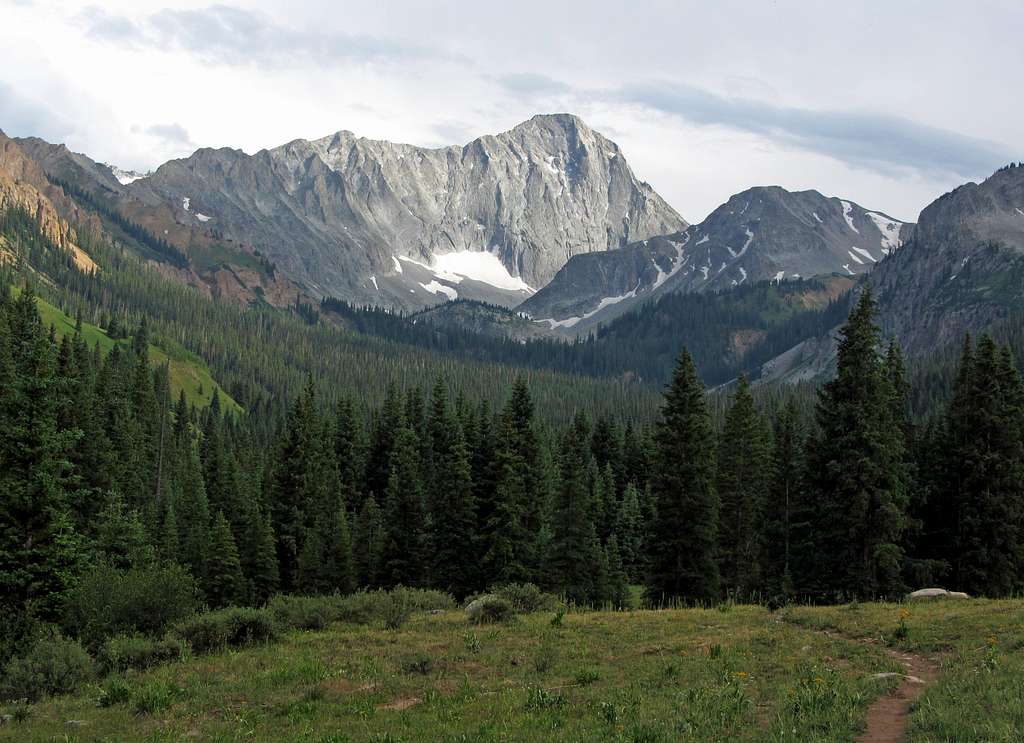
(224, 34)
(530, 84)
(23, 117)
(173, 134)
(880, 142)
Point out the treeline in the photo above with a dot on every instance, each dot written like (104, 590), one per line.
(100, 469)
(724, 331)
(163, 249)
(860, 504)
(261, 356)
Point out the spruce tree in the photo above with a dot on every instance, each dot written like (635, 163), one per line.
(575, 546)
(260, 563)
(618, 580)
(369, 543)
(629, 534)
(988, 454)
(403, 560)
(788, 542)
(684, 535)
(224, 583)
(39, 550)
(856, 467)
(454, 559)
(744, 466)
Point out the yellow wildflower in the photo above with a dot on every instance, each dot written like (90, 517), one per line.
(904, 613)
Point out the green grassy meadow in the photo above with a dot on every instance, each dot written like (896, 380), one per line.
(737, 674)
(186, 370)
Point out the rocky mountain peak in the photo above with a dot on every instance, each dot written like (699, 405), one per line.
(336, 214)
(763, 233)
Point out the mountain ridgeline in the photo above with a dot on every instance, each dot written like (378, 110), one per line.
(762, 234)
(336, 215)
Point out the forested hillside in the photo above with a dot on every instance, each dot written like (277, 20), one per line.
(382, 451)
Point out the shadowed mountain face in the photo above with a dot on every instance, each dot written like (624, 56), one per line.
(336, 214)
(961, 271)
(964, 268)
(764, 233)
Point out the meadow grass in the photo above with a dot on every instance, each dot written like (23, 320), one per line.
(668, 675)
(186, 371)
(979, 645)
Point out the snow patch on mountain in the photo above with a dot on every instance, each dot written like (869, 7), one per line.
(480, 266)
(437, 288)
(124, 177)
(750, 239)
(890, 229)
(605, 302)
(864, 253)
(848, 214)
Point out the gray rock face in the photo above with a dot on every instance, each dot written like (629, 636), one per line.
(764, 233)
(334, 212)
(960, 271)
(964, 268)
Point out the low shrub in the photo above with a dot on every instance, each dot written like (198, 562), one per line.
(541, 699)
(363, 607)
(153, 697)
(123, 652)
(116, 690)
(424, 599)
(232, 627)
(305, 612)
(396, 612)
(112, 601)
(546, 654)
(418, 664)
(51, 666)
(526, 598)
(489, 608)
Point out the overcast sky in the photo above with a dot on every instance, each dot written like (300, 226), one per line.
(889, 104)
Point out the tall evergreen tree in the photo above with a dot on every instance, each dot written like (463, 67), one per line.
(856, 468)
(744, 470)
(787, 526)
(224, 583)
(684, 535)
(454, 509)
(575, 546)
(403, 560)
(369, 543)
(39, 550)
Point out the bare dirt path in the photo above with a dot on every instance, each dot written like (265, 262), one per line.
(888, 715)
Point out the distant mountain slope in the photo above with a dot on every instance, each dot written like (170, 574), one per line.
(961, 271)
(964, 268)
(764, 233)
(492, 220)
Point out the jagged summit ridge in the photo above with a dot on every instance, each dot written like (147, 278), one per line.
(335, 213)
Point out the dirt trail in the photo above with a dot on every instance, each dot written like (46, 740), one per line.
(887, 716)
